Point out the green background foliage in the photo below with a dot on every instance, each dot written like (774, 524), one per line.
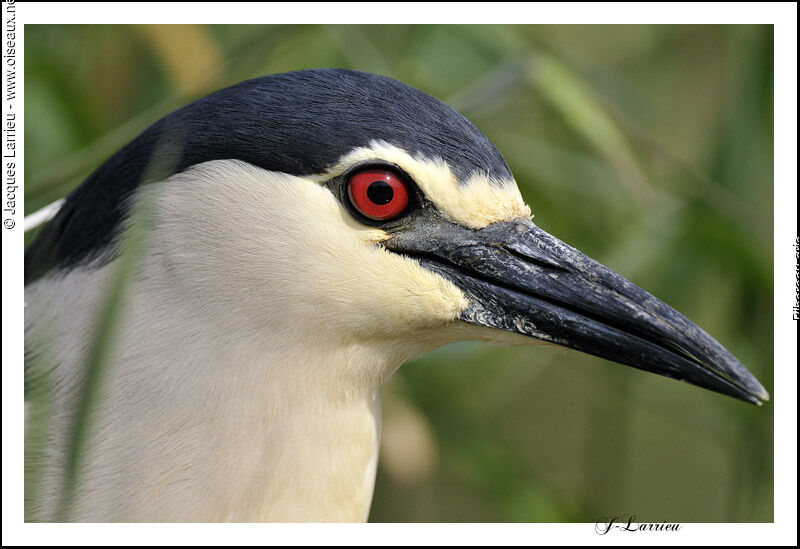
(650, 148)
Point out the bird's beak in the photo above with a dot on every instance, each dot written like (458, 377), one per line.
(518, 278)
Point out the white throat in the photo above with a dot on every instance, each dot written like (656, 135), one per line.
(258, 425)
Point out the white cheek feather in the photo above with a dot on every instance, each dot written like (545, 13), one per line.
(256, 336)
(475, 203)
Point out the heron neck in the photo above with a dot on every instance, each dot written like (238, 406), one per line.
(276, 432)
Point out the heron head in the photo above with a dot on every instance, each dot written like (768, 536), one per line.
(352, 205)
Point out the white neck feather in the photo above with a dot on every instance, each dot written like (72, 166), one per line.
(199, 425)
(246, 374)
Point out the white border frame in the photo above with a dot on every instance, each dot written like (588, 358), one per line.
(783, 531)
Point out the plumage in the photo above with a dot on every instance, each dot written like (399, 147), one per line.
(266, 312)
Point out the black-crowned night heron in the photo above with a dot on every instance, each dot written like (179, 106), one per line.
(308, 233)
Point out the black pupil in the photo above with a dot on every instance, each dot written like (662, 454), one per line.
(380, 192)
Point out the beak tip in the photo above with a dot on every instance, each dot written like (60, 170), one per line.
(758, 395)
(756, 390)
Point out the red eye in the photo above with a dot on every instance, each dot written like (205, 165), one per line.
(378, 194)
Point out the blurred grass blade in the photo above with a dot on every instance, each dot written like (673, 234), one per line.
(564, 91)
(488, 91)
(108, 320)
(79, 162)
(98, 360)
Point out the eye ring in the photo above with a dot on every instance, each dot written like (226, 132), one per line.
(378, 194)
